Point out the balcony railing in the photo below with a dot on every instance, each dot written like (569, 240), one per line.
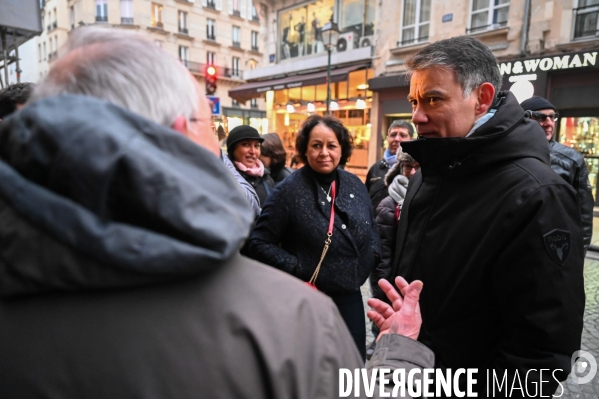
(210, 36)
(200, 67)
(126, 20)
(236, 44)
(255, 18)
(412, 41)
(183, 31)
(255, 48)
(486, 27)
(585, 21)
(211, 4)
(101, 18)
(49, 27)
(236, 13)
(157, 24)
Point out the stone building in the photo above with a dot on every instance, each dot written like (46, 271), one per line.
(223, 33)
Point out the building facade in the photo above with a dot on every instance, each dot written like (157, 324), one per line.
(222, 33)
(292, 77)
(546, 48)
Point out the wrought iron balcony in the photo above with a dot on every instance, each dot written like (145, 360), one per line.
(126, 20)
(101, 18)
(486, 27)
(184, 31)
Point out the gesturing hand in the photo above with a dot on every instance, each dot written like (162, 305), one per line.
(404, 317)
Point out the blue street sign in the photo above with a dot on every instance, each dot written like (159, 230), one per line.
(447, 17)
(215, 101)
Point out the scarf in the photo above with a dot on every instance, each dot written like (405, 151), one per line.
(390, 158)
(256, 171)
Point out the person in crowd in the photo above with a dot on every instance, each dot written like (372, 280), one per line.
(274, 156)
(387, 218)
(490, 229)
(398, 132)
(13, 97)
(120, 269)
(243, 148)
(319, 201)
(565, 161)
(296, 162)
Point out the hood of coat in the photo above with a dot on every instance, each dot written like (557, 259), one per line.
(94, 196)
(507, 136)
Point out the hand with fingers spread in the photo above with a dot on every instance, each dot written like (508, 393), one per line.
(403, 317)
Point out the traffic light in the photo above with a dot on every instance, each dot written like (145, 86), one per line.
(210, 77)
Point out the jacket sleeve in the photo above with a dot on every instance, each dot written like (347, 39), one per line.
(248, 190)
(272, 225)
(585, 196)
(539, 288)
(385, 218)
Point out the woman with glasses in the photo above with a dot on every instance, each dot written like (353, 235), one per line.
(322, 205)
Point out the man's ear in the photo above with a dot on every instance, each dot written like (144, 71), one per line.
(486, 95)
(180, 125)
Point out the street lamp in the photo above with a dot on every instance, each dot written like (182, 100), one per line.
(330, 34)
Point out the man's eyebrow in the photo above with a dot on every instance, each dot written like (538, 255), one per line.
(430, 93)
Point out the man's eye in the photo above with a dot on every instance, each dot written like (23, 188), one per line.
(433, 100)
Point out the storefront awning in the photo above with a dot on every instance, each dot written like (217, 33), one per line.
(252, 90)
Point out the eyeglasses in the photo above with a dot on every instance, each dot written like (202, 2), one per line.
(539, 116)
(402, 135)
(408, 168)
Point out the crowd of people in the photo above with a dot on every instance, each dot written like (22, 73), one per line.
(140, 259)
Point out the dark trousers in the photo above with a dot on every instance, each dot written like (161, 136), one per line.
(352, 311)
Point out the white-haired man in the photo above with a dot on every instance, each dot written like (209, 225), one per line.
(120, 273)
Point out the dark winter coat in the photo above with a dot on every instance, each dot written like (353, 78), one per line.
(292, 228)
(496, 237)
(570, 165)
(262, 184)
(281, 174)
(376, 173)
(120, 278)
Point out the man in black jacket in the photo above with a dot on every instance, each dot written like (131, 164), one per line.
(490, 229)
(565, 161)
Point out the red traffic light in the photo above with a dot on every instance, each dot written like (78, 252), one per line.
(211, 71)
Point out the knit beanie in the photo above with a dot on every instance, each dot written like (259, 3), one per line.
(536, 103)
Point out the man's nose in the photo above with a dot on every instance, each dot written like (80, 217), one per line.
(418, 115)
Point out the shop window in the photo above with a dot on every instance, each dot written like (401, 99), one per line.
(295, 94)
(321, 92)
(582, 134)
(210, 29)
(300, 29)
(586, 21)
(127, 12)
(281, 97)
(254, 103)
(156, 19)
(415, 22)
(101, 11)
(308, 93)
(488, 14)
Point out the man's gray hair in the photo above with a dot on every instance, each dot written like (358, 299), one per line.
(472, 61)
(126, 69)
(405, 124)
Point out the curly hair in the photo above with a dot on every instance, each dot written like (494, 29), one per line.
(13, 95)
(343, 136)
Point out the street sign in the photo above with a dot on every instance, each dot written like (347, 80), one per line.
(215, 103)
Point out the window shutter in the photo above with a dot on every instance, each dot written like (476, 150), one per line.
(242, 5)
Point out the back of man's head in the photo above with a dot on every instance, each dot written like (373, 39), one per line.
(14, 96)
(123, 68)
(471, 60)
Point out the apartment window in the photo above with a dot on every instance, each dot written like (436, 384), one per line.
(45, 51)
(39, 52)
(183, 22)
(488, 14)
(586, 22)
(127, 12)
(254, 12)
(210, 29)
(235, 103)
(156, 20)
(101, 11)
(235, 67)
(415, 21)
(72, 17)
(210, 57)
(50, 47)
(254, 103)
(235, 7)
(184, 55)
(236, 36)
(214, 4)
(254, 40)
(55, 23)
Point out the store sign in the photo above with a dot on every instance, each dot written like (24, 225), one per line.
(548, 64)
